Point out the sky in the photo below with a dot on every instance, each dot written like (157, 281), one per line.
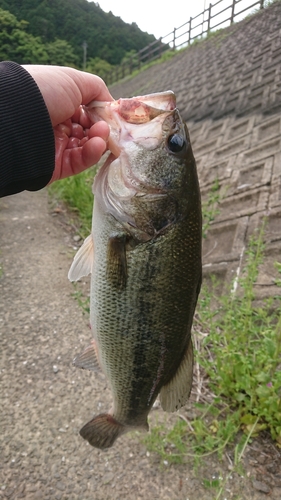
(154, 16)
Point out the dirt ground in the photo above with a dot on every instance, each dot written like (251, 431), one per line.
(45, 400)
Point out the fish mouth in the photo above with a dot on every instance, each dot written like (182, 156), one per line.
(127, 118)
(139, 109)
(138, 123)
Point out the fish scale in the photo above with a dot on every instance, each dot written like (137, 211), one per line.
(144, 254)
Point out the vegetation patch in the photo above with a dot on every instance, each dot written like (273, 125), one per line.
(237, 373)
(76, 192)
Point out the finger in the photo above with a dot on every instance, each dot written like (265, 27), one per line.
(77, 131)
(92, 87)
(81, 117)
(99, 129)
(75, 160)
(92, 151)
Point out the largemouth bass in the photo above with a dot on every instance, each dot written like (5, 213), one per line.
(144, 254)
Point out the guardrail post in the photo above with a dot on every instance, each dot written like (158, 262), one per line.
(160, 48)
(232, 12)
(262, 4)
(209, 17)
(174, 39)
(189, 31)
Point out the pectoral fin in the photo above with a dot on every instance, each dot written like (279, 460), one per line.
(88, 359)
(117, 261)
(176, 393)
(83, 261)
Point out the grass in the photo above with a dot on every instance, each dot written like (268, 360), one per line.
(76, 192)
(210, 207)
(245, 340)
(238, 371)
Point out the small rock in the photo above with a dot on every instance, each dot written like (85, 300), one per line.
(60, 486)
(277, 478)
(31, 488)
(37, 495)
(77, 237)
(258, 485)
(261, 459)
(107, 478)
(55, 368)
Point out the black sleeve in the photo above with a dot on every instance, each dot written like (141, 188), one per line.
(27, 143)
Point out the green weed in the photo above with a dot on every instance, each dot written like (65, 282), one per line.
(76, 192)
(83, 301)
(210, 207)
(239, 351)
(245, 340)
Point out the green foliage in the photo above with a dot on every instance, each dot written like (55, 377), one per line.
(76, 21)
(241, 355)
(245, 340)
(83, 302)
(210, 207)
(76, 191)
(61, 53)
(99, 67)
(19, 46)
(16, 44)
(171, 446)
(130, 57)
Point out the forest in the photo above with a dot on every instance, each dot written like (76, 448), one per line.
(76, 33)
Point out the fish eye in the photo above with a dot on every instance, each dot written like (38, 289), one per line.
(176, 143)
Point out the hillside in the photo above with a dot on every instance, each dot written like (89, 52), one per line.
(79, 21)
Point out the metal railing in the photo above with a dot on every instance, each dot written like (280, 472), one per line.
(195, 28)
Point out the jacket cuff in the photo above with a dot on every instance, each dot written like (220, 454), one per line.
(26, 133)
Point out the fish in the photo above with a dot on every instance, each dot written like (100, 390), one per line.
(144, 256)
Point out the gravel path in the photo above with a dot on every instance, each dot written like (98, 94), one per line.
(45, 400)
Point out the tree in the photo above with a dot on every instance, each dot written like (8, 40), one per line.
(17, 45)
(61, 53)
(76, 21)
(99, 67)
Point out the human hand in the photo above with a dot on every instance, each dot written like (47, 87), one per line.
(79, 143)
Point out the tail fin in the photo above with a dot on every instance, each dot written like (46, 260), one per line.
(102, 431)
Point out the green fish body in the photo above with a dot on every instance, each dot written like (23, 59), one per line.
(144, 254)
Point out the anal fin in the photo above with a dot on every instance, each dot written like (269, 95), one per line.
(176, 393)
(88, 359)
